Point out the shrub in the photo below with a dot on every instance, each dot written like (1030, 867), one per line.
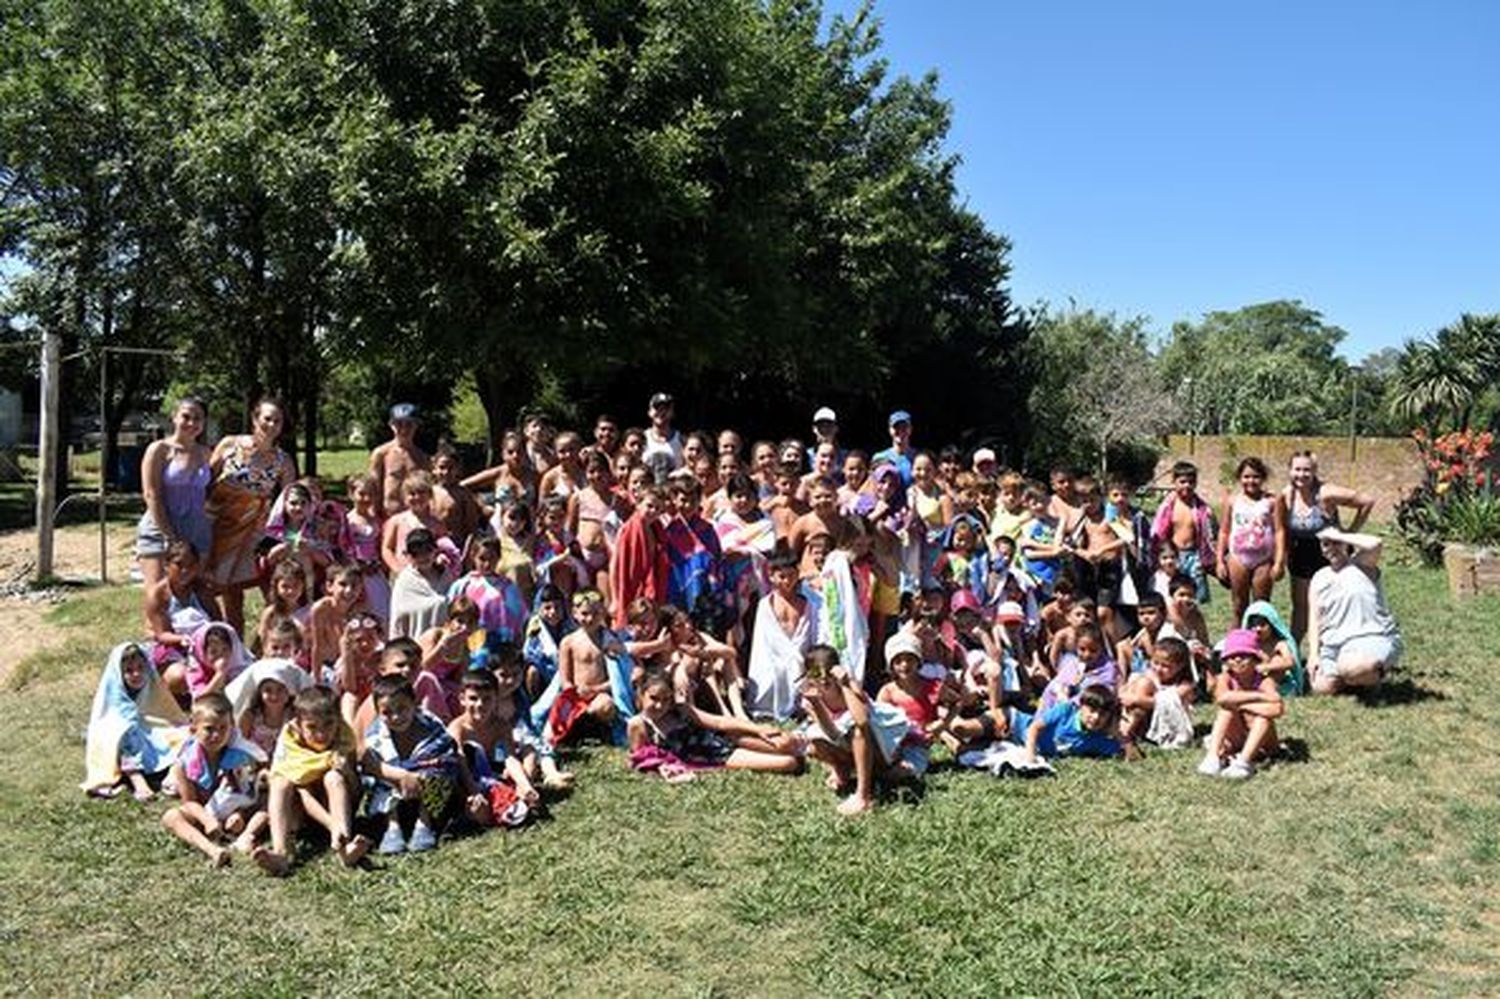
(1456, 501)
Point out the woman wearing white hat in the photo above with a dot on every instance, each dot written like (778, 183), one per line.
(1354, 639)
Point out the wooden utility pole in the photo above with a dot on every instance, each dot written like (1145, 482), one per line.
(46, 448)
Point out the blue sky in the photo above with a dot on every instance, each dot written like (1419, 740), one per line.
(1169, 159)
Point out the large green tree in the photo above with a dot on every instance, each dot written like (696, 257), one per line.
(1098, 399)
(1263, 369)
(574, 200)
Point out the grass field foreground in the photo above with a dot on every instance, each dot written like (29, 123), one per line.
(1364, 866)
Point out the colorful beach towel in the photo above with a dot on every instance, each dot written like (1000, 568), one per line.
(433, 758)
(557, 711)
(139, 726)
(301, 764)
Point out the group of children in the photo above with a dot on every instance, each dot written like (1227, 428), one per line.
(426, 654)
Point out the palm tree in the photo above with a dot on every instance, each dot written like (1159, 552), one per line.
(1444, 376)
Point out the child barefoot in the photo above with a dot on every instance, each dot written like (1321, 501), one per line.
(701, 665)
(496, 787)
(1186, 520)
(211, 778)
(1155, 703)
(312, 776)
(920, 698)
(499, 742)
(675, 738)
(783, 633)
(329, 614)
(130, 724)
(415, 764)
(1252, 537)
(1248, 704)
(594, 670)
(855, 738)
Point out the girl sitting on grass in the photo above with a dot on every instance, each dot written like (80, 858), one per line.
(856, 738)
(675, 738)
(1249, 704)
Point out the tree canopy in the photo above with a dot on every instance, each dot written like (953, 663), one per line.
(575, 201)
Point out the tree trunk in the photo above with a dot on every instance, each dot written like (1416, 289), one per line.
(502, 391)
(311, 385)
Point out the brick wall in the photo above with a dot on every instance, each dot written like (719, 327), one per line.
(1385, 467)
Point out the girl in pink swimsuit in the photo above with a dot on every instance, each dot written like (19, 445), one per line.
(1252, 538)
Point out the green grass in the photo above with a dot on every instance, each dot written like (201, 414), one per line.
(1368, 868)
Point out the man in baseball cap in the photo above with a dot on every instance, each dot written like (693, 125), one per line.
(397, 458)
(899, 454)
(825, 427)
(661, 439)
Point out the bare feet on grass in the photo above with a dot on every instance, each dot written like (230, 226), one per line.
(270, 861)
(352, 852)
(855, 805)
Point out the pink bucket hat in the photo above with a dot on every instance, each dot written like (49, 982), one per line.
(1241, 642)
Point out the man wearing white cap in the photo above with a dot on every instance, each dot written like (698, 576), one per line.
(984, 462)
(825, 428)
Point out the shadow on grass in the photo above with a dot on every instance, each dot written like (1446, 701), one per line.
(1398, 692)
(1293, 751)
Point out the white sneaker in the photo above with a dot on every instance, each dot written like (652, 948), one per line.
(1238, 769)
(1211, 766)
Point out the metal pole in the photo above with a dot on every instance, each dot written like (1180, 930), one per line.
(47, 452)
(1353, 416)
(103, 470)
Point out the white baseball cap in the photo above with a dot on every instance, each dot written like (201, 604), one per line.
(825, 415)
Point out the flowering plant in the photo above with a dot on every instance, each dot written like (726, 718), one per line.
(1456, 501)
(1457, 457)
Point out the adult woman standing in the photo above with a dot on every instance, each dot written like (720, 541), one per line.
(1354, 641)
(249, 471)
(174, 479)
(1312, 505)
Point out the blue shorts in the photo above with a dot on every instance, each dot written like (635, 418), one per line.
(1190, 563)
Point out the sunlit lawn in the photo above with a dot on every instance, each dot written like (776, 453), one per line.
(1368, 866)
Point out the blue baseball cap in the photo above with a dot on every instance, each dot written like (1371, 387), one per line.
(899, 416)
(403, 411)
